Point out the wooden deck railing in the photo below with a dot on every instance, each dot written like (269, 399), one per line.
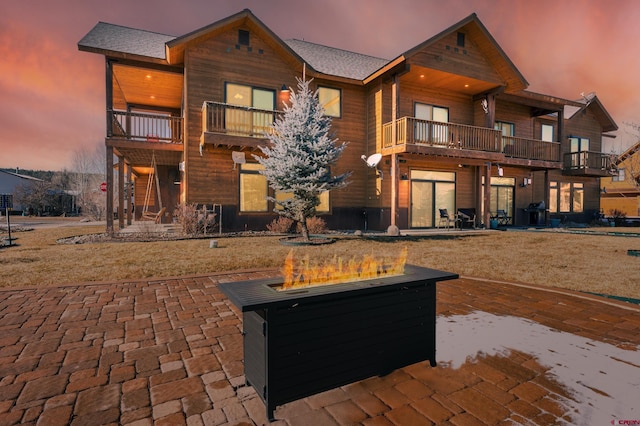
(530, 149)
(411, 130)
(218, 117)
(144, 127)
(587, 160)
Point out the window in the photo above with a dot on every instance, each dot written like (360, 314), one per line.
(243, 37)
(502, 195)
(242, 121)
(323, 207)
(579, 151)
(507, 129)
(547, 133)
(508, 132)
(566, 197)
(460, 40)
(619, 177)
(429, 132)
(331, 100)
(253, 188)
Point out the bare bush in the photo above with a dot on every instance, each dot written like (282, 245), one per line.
(280, 225)
(316, 225)
(195, 221)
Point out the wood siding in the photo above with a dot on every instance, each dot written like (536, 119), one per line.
(218, 61)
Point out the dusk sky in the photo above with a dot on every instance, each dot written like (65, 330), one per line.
(52, 95)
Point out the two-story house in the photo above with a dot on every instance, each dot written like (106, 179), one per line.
(451, 119)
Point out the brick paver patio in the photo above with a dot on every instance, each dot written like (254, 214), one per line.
(169, 352)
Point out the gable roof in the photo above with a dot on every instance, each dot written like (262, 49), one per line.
(175, 48)
(337, 62)
(491, 51)
(633, 150)
(592, 103)
(109, 39)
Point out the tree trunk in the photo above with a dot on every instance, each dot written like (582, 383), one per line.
(304, 230)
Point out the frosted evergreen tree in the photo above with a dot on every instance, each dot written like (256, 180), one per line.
(299, 159)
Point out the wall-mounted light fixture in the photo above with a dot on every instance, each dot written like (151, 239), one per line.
(284, 89)
(500, 171)
(404, 176)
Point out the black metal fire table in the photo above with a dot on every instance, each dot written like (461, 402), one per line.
(303, 341)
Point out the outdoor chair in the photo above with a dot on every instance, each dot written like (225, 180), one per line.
(467, 217)
(446, 219)
(501, 217)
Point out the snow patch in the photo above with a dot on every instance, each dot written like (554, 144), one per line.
(604, 379)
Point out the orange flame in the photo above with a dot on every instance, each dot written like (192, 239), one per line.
(339, 271)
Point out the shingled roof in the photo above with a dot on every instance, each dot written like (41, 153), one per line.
(106, 37)
(336, 62)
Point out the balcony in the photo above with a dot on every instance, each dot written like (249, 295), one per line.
(459, 140)
(236, 126)
(587, 163)
(141, 127)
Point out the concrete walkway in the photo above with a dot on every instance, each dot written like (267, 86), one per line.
(169, 352)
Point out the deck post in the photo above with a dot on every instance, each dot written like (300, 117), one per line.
(121, 167)
(109, 171)
(486, 214)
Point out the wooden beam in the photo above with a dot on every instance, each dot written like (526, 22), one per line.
(121, 167)
(109, 211)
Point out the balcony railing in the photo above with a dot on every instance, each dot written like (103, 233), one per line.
(530, 149)
(411, 130)
(144, 127)
(218, 117)
(588, 160)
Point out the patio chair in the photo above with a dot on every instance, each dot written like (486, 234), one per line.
(467, 217)
(446, 219)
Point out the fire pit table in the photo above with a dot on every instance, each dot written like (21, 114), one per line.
(303, 341)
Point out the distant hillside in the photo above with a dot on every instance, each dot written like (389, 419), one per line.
(40, 174)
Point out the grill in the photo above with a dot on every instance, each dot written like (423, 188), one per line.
(536, 213)
(305, 341)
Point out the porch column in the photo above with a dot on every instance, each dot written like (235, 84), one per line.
(547, 198)
(128, 192)
(109, 212)
(394, 157)
(486, 214)
(479, 195)
(121, 167)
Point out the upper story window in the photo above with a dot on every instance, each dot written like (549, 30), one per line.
(331, 100)
(579, 144)
(426, 132)
(507, 129)
(243, 121)
(243, 37)
(546, 133)
(618, 177)
(460, 40)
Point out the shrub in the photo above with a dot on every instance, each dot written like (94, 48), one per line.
(195, 221)
(617, 216)
(280, 225)
(316, 225)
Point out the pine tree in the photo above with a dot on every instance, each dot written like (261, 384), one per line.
(299, 159)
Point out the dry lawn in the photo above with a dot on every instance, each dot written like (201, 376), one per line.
(586, 262)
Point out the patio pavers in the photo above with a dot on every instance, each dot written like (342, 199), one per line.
(169, 351)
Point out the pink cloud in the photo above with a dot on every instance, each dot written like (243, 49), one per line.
(53, 95)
